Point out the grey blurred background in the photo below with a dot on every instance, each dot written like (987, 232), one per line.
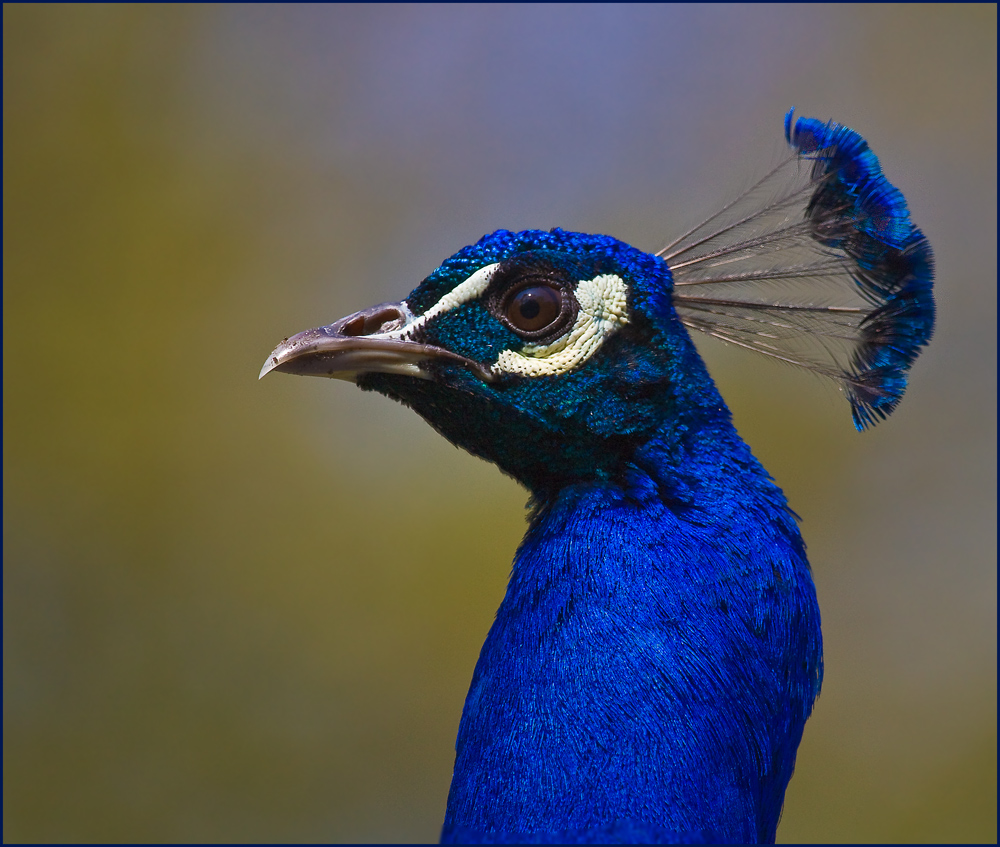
(250, 611)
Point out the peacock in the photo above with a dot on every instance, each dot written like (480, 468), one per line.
(658, 650)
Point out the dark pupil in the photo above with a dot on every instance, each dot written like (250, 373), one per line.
(534, 308)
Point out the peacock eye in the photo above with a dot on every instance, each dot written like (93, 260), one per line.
(534, 308)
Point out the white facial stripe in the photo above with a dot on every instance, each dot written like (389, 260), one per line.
(603, 309)
(472, 288)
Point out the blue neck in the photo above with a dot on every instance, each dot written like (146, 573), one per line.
(652, 664)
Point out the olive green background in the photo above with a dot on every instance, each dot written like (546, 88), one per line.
(250, 611)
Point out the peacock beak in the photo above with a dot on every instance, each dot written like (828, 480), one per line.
(373, 340)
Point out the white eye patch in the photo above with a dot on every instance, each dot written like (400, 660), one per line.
(603, 305)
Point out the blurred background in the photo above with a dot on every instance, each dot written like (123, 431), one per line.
(243, 611)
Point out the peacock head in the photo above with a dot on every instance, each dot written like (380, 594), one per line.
(557, 354)
(553, 354)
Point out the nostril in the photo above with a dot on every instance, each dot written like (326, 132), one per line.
(384, 320)
(377, 320)
(355, 326)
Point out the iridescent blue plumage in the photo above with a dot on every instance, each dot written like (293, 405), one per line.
(658, 651)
